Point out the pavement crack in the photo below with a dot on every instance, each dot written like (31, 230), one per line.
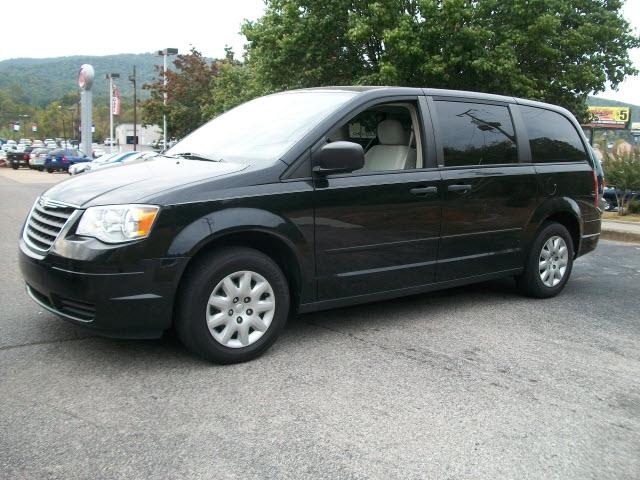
(43, 342)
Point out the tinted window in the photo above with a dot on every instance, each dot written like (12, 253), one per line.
(476, 134)
(552, 137)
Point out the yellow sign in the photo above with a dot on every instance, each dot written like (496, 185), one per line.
(609, 117)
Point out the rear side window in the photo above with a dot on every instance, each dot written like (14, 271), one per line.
(552, 137)
(475, 134)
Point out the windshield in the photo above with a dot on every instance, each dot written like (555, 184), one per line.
(105, 158)
(262, 129)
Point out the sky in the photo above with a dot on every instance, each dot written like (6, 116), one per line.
(139, 26)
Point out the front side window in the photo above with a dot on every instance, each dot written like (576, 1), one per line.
(552, 137)
(262, 129)
(389, 135)
(475, 134)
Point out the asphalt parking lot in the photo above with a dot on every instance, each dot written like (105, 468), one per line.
(475, 382)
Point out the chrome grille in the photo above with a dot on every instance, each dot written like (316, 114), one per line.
(45, 222)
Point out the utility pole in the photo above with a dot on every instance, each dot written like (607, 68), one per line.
(110, 77)
(132, 78)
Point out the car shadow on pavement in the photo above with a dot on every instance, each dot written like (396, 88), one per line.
(379, 315)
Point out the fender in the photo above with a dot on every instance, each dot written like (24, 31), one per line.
(219, 224)
(546, 209)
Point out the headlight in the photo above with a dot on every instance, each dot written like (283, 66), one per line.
(118, 223)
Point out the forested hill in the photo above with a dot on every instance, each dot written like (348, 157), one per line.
(38, 81)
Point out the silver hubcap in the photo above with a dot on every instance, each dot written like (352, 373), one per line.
(240, 309)
(553, 261)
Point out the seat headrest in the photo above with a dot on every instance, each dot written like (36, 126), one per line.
(390, 132)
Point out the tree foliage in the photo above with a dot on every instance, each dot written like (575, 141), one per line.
(623, 173)
(188, 90)
(551, 50)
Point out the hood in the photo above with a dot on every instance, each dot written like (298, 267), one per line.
(133, 183)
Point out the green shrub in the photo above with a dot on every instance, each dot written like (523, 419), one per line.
(634, 207)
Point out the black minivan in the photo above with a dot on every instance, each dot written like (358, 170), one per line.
(313, 199)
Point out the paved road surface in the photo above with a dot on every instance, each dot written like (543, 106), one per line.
(475, 382)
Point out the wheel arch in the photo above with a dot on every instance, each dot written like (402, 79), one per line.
(563, 210)
(260, 230)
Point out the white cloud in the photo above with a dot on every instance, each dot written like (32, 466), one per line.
(53, 28)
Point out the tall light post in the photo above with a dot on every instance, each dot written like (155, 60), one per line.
(110, 77)
(132, 79)
(165, 53)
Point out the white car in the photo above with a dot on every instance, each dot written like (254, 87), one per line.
(20, 147)
(37, 158)
(78, 168)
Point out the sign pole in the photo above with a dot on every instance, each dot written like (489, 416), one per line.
(85, 81)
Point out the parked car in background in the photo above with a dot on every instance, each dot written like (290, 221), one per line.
(37, 158)
(84, 166)
(63, 158)
(117, 160)
(19, 158)
(611, 195)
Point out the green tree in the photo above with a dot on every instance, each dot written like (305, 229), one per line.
(623, 173)
(557, 51)
(235, 82)
(188, 89)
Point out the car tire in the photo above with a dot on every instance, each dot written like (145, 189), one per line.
(15, 167)
(41, 169)
(549, 262)
(49, 170)
(214, 318)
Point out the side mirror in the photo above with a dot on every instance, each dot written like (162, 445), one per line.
(336, 157)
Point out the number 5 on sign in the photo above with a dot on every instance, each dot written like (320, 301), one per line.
(623, 115)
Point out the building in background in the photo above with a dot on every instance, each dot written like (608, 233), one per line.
(147, 136)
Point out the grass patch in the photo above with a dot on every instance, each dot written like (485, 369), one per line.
(621, 218)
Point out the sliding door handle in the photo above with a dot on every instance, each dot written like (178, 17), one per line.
(458, 188)
(423, 190)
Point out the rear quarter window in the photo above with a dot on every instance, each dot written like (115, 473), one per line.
(552, 137)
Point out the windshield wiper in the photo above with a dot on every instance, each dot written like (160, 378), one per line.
(193, 156)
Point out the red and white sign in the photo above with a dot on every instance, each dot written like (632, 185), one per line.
(115, 101)
(34, 127)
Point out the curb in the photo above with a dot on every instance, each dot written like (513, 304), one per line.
(620, 236)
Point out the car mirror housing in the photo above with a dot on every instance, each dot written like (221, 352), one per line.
(336, 157)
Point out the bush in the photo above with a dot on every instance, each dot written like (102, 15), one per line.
(623, 173)
(634, 207)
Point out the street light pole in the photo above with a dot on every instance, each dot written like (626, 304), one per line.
(165, 53)
(132, 78)
(110, 77)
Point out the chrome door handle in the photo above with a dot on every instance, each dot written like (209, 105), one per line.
(458, 188)
(423, 190)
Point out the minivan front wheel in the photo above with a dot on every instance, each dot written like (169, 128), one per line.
(233, 305)
(549, 262)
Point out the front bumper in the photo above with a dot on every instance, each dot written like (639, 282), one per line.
(131, 304)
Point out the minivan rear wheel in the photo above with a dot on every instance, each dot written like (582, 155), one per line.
(549, 262)
(232, 305)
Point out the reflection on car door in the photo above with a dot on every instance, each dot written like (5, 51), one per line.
(488, 196)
